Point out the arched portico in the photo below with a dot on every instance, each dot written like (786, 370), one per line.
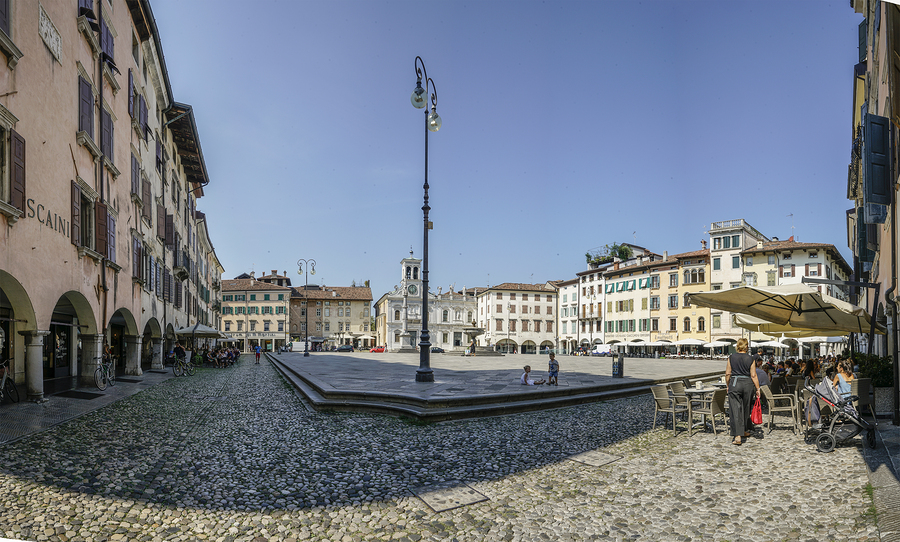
(152, 346)
(17, 324)
(71, 343)
(125, 341)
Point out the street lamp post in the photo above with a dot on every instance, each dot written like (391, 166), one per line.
(310, 266)
(419, 99)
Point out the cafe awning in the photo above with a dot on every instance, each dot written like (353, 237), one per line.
(794, 305)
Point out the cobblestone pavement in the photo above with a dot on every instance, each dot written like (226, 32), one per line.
(235, 455)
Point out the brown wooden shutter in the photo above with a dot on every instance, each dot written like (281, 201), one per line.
(780, 271)
(793, 270)
(130, 93)
(819, 269)
(85, 107)
(76, 214)
(106, 125)
(147, 199)
(101, 228)
(170, 230)
(160, 221)
(806, 272)
(135, 175)
(17, 176)
(111, 238)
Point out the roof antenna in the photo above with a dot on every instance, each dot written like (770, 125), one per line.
(792, 225)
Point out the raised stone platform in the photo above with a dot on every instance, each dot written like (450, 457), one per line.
(472, 386)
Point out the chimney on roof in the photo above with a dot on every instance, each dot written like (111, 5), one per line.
(703, 243)
(775, 239)
(665, 255)
(252, 274)
(333, 293)
(274, 271)
(758, 244)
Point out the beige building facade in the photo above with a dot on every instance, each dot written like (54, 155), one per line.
(96, 158)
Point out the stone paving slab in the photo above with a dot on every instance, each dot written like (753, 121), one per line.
(448, 496)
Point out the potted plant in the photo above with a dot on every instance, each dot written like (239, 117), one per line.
(881, 371)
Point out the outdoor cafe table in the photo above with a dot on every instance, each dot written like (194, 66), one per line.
(703, 394)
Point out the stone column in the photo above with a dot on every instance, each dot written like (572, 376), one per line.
(91, 351)
(156, 362)
(133, 355)
(34, 364)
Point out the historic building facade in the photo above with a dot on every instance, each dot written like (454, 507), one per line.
(518, 318)
(255, 312)
(100, 239)
(337, 315)
(398, 313)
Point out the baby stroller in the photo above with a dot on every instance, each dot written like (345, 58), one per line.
(840, 423)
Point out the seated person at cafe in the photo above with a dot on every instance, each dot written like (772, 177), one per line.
(761, 373)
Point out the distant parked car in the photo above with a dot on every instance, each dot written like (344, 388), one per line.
(437, 350)
(345, 348)
(377, 349)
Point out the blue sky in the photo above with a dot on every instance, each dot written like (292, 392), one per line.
(567, 125)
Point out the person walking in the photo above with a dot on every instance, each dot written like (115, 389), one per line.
(742, 382)
(257, 354)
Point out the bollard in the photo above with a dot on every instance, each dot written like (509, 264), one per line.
(618, 368)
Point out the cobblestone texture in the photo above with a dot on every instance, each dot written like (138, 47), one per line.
(234, 455)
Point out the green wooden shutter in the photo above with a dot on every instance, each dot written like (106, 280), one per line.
(877, 181)
(863, 39)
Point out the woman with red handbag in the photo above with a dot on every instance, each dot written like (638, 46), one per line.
(740, 376)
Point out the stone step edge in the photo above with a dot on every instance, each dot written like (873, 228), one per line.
(429, 411)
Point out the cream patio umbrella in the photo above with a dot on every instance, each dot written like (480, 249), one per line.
(796, 305)
(758, 325)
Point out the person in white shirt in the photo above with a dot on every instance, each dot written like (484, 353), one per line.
(527, 381)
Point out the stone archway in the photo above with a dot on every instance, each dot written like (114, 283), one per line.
(73, 342)
(125, 342)
(18, 324)
(152, 346)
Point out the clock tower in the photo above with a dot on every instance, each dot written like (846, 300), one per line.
(411, 290)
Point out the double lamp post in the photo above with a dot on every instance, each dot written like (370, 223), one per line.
(310, 267)
(419, 99)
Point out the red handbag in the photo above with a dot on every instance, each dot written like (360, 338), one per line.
(756, 413)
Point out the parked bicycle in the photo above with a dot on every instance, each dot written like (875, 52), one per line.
(183, 367)
(8, 385)
(105, 374)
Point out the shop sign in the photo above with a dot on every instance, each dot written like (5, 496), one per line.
(47, 218)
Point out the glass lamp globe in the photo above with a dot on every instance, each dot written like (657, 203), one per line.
(434, 122)
(418, 97)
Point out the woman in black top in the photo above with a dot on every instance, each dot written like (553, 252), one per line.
(740, 375)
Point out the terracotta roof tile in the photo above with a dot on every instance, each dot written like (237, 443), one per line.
(237, 285)
(341, 293)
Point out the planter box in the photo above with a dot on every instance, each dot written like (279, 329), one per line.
(884, 401)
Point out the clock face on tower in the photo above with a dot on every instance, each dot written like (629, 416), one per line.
(412, 289)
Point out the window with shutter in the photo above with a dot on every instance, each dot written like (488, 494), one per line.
(170, 230)
(85, 107)
(17, 175)
(101, 230)
(160, 221)
(135, 257)
(86, 7)
(76, 214)
(4, 16)
(130, 93)
(111, 238)
(147, 200)
(135, 175)
(107, 43)
(106, 125)
(159, 160)
(143, 115)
